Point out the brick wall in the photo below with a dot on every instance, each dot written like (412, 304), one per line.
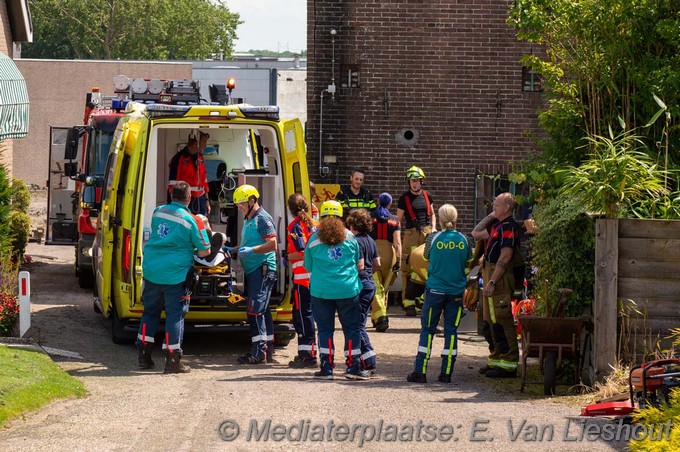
(439, 87)
(57, 90)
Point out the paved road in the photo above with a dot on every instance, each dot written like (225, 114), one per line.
(129, 409)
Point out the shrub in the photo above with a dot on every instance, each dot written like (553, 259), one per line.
(9, 312)
(21, 197)
(19, 229)
(9, 308)
(564, 251)
(5, 207)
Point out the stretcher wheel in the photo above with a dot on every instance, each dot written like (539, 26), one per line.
(549, 372)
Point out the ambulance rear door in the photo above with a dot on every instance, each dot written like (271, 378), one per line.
(103, 248)
(295, 175)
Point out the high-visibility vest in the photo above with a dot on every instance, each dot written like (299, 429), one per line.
(192, 173)
(300, 273)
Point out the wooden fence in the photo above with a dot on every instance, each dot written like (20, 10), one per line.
(637, 288)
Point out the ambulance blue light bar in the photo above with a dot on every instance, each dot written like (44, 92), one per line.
(119, 104)
(167, 111)
(268, 112)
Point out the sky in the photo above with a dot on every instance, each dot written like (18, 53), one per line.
(277, 25)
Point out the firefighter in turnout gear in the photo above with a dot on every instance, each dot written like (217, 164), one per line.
(502, 235)
(387, 235)
(168, 257)
(355, 196)
(416, 209)
(299, 231)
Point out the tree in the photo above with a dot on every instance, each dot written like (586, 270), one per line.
(603, 59)
(132, 29)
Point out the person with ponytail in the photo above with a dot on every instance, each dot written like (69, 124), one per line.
(299, 232)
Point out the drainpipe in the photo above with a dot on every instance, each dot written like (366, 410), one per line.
(323, 170)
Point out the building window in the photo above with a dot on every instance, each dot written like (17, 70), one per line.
(531, 80)
(349, 77)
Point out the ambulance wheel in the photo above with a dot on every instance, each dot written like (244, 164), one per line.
(549, 372)
(118, 333)
(282, 340)
(85, 278)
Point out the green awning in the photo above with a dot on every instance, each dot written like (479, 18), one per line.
(13, 100)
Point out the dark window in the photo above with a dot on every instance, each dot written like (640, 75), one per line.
(297, 179)
(531, 80)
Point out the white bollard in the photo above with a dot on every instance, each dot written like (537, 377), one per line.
(24, 302)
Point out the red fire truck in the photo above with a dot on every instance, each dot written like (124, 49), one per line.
(77, 171)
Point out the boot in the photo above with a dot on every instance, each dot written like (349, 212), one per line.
(144, 360)
(174, 366)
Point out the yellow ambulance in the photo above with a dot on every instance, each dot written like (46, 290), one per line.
(247, 145)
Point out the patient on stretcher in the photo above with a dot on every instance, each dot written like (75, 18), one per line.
(216, 256)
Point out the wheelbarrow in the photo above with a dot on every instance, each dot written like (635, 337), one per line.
(550, 339)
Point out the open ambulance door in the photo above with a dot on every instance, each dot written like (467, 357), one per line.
(133, 218)
(104, 249)
(294, 157)
(62, 196)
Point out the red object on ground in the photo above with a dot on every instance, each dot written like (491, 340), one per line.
(608, 409)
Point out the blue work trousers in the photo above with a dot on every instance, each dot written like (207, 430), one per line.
(435, 303)
(303, 321)
(259, 316)
(368, 359)
(349, 313)
(171, 298)
(198, 205)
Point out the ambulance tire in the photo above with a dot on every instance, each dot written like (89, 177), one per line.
(118, 333)
(282, 340)
(85, 278)
(549, 372)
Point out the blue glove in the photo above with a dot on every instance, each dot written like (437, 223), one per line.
(246, 251)
(229, 249)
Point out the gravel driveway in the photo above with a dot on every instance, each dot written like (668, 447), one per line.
(268, 407)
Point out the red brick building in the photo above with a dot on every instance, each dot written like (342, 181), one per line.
(432, 83)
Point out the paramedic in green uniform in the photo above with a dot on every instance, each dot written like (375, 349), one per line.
(257, 253)
(168, 257)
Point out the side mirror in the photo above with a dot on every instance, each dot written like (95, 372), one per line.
(89, 197)
(71, 169)
(71, 146)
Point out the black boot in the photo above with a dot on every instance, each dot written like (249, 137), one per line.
(144, 360)
(174, 366)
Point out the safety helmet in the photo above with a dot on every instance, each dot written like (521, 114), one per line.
(330, 208)
(414, 173)
(244, 192)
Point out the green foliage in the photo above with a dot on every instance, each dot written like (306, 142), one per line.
(30, 380)
(131, 29)
(5, 208)
(660, 416)
(19, 229)
(9, 308)
(601, 60)
(9, 313)
(617, 174)
(273, 53)
(564, 251)
(21, 197)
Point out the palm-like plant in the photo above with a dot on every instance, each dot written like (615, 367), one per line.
(617, 172)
